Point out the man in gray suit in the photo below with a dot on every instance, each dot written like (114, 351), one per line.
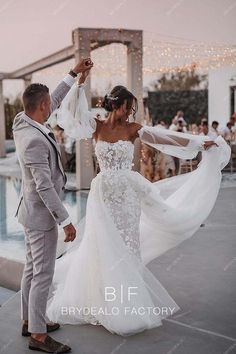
(40, 209)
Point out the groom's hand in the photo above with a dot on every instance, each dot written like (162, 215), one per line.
(70, 233)
(83, 65)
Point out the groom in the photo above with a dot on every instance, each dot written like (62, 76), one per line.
(40, 209)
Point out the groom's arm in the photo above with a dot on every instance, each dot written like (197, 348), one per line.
(61, 90)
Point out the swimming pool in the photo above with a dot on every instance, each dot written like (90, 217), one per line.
(11, 232)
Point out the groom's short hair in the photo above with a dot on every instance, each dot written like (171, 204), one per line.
(32, 96)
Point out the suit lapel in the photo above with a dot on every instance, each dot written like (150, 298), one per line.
(35, 125)
(57, 147)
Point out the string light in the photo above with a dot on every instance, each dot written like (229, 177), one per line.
(161, 54)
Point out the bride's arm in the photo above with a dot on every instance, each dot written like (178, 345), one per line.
(182, 145)
(65, 85)
(74, 115)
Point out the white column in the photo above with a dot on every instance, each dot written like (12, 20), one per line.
(84, 148)
(2, 123)
(135, 84)
(219, 82)
(135, 74)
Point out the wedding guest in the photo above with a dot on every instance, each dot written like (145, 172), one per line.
(194, 129)
(233, 119)
(181, 126)
(213, 130)
(226, 132)
(233, 122)
(204, 119)
(179, 118)
(204, 128)
(179, 114)
(59, 134)
(173, 125)
(161, 124)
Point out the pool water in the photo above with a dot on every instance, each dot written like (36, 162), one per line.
(12, 243)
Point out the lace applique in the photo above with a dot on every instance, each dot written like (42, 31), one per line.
(115, 156)
(120, 197)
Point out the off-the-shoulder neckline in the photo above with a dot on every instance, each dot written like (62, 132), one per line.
(115, 142)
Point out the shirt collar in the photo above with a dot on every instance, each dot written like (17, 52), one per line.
(43, 127)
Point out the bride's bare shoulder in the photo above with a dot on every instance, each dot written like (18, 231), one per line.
(134, 128)
(99, 122)
(135, 125)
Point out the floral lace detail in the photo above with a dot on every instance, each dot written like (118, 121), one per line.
(115, 156)
(120, 197)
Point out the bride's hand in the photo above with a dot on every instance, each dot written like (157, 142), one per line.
(208, 144)
(83, 76)
(83, 65)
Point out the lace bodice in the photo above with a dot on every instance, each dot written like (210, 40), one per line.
(121, 199)
(115, 156)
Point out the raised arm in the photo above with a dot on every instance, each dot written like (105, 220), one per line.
(65, 85)
(74, 115)
(60, 91)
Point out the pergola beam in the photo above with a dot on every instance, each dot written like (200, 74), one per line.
(85, 40)
(53, 59)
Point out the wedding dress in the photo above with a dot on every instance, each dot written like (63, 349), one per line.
(104, 279)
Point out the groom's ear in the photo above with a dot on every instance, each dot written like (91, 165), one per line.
(44, 102)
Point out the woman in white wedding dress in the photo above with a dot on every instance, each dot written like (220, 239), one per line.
(129, 220)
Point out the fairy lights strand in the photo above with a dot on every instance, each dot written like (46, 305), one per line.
(161, 55)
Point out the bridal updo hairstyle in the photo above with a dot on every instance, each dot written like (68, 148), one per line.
(118, 96)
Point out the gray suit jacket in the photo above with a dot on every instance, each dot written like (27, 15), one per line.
(43, 179)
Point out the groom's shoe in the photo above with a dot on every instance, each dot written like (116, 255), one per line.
(48, 346)
(51, 327)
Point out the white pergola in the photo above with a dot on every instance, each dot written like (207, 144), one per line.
(84, 41)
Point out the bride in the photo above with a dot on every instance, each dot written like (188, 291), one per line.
(129, 221)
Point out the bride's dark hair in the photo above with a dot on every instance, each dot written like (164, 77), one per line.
(117, 98)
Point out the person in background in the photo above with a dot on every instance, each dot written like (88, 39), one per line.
(194, 129)
(178, 125)
(226, 132)
(161, 124)
(213, 130)
(181, 125)
(59, 134)
(179, 118)
(233, 123)
(204, 127)
(204, 119)
(179, 114)
(173, 125)
(233, 119)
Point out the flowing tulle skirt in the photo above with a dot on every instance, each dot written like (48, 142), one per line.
(100, 281)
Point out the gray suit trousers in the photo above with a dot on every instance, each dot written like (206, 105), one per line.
(37, 277)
